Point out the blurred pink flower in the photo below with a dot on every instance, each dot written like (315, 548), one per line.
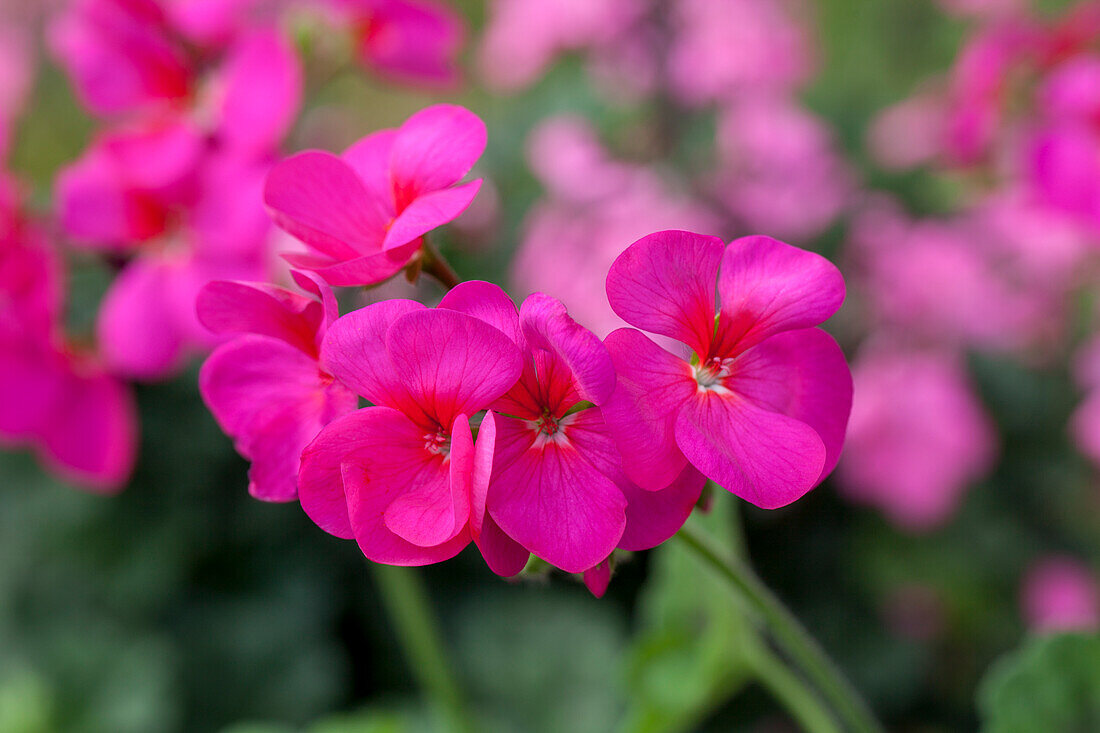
(17, 70)
(363, 214)
(910, 406)
(1060, 594)
(721, 50)
(761, 408)
(779, 169)
(909, 133)
(266, 386)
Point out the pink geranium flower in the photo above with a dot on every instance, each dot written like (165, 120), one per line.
(1060, 594)
(54, 398)
(404, 477)
(761, 407)
(557, 487)
(266, 387)
(363, 214)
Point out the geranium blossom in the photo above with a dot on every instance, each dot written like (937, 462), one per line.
(363, 214)
(761, 406)
(266, 387)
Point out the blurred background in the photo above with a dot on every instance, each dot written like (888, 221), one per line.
(945, 154)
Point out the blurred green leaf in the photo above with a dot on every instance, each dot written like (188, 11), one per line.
(1051, 684)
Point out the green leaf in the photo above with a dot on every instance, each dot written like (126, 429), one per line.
(1050, 684)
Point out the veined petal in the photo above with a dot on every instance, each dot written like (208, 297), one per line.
(487, 302)
(802, 374)
(547, 325)
(241, 307)
(358, 271)
(450, 362)
(370, 158)
(652, 387)
(766, 458)
(665, 283)
(428, 211)
(502, 554)
(767, 286)
(654, 516)
(434, 149)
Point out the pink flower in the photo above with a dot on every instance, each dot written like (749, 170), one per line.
(1060, 594)
(17, 69)
(762, 405)
(121, 55)
(363, 214)
(266, 386)
(910, 405)
(404, 477)
(54, 399)
(557, 487)
(409, 41)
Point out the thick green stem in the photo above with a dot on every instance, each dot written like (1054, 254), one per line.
(794, 641)
(410, 613)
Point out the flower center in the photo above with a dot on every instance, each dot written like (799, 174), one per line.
(711, 375)
(549, 429)
(438, 443)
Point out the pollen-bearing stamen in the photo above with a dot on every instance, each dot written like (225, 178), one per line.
(438, 443)
(711, 375)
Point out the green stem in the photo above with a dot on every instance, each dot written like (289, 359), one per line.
(409, 610)
(432, 262)
(795, 642)
(792, 692)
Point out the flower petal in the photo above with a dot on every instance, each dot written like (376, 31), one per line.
(263, 91)
(239, 307)
(370, 158)
(596, 579)
(428, 211)
(802, 374)
(487, 302)
(651, 388)
(766, 458)
(450, 362)
(502, 554)
(316, 197)
(320, 485)
(137, 328)
(665, 283)
(767, 286)
(553, 501)
(547, 325)
(359, 271)
(654, 516)
(434, 149)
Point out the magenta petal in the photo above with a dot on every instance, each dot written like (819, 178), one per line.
(802, 374)
(453, 362)
(96, 206)
(263, 90)
(314, 285)
(428, 211)
(654, 516)
(766, 458)
(767, 286)
(596, 579)
(237, 307)
(354, 351)
(502, 554)
(370, 158)
(32, 384)
(487, 302)
(552, 500)
(434, 508)
(414, 41)
(92, 436)
(317, 198)
(652, 387)
(138, 332)
(664, 283)
(359, 271)
(434, 149)
(389, 461)
(547, 325)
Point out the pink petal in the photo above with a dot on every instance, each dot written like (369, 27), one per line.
(802, 374)
(359, 271)
(96, 206)
(547, 496)
(92, 436)
(547, 325)
(654, 516)
(415, 41)
(664, 283)
(389, 458)
(486, 302)
(428, 211)
(317, 198)
(263, 91)
(767, 286)
(596, 579)
(502, 554)
(370, 158)
(766, 458)
(433, 509)
(317, 287)
(652, 387)
(137, 329)
(320, 485)
(354, 352)
(32, 385)
(236, 307)
(434, 149)
(452, 363)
